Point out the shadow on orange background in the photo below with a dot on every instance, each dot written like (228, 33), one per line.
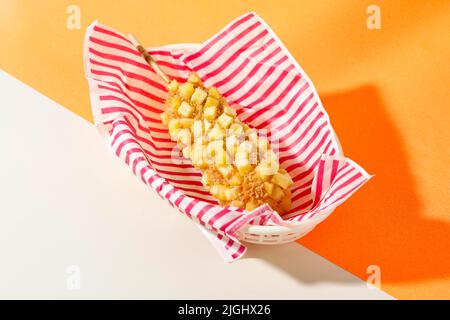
(383, 223)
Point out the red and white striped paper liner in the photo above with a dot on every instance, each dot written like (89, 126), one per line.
(251, 67)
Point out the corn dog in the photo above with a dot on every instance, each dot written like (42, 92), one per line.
(238, 168)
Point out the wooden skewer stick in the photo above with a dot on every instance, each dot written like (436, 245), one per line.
(148, 58)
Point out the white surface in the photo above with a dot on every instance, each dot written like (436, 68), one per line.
(66, 200)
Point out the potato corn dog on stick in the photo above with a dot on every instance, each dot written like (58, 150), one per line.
(238, 167)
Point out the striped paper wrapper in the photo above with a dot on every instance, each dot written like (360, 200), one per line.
(256, 73)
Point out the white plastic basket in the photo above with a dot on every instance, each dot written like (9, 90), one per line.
(269, 235)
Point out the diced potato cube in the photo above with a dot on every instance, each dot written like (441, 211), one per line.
(207, 125)
(198, 155)
(269, 187)
(211, 102)
(186, 122)
(174, 134)
(216, 133)
(266, 169)
(235, 180)
(210, 113)
(231, 194)
(174, 124)
(207, 186)
(263, 147)
(230, 111)
(199, 96)
(273, 164)
(195, 79)
(253, 137)
(220, 157)
(237, 203)
(225, 170)
(216, 152)
(218, 191)
(231, 144)
(251, 205)
(214, 147)
(283, 180)
(174, 102)
(185, 110)
(225, 120)
(241, 155)
(186, 90)
(165, 118)
(173, 86)
(197, 129)
(207, 178)
(263, 144)
(184, 136)
(213, 92)
(245, 146)
(236, 129)
(270, 160)
(201, 141)
(243, 163)
(254, 157)
(277, 193)
(270, 156)
(261, 174)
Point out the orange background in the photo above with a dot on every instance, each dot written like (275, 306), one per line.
(387, 93)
